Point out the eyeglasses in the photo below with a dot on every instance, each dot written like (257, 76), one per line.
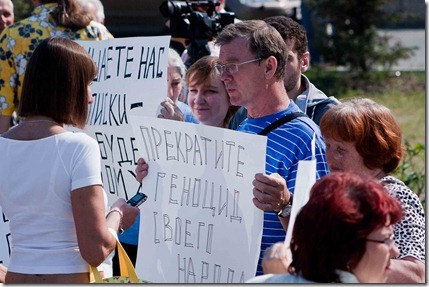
(231, 68)
(387, 241)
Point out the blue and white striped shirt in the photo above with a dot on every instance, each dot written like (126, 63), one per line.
(286, 145)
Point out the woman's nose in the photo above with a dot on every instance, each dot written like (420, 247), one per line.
(394, 251)
(199, 98)
(329, 156)
(169, 91)
(90, 97)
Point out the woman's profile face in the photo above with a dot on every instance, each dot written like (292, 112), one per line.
(342, 156)
(374, 267)
(90, 97)
(174, 83)
(209, 101)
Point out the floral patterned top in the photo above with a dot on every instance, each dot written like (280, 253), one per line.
(410, 231)
(19, 40)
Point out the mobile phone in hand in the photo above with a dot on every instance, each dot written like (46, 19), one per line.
(137, 199)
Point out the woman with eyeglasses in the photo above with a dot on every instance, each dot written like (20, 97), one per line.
(344, 234)
(363, 137)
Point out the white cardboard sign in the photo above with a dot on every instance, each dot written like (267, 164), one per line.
(199, 224)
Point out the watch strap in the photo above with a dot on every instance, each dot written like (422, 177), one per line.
(286, 210)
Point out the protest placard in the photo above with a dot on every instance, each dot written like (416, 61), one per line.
(4, 240)
(131, 79)
(199, 224)
(305, 179)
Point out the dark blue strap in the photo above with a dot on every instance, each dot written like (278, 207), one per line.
(280, 122)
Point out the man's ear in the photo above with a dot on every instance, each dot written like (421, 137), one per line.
(270, 67)
(305, 62)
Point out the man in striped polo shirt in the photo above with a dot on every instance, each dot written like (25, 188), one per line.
(252, 66)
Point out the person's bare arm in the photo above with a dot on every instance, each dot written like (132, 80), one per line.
(4, 123)
(94, 239)
(406, 270)
(285, 222)
(3, 271)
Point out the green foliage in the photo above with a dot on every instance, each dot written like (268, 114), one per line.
(22, 9)
(348, 83)
(353, 41)
(411, 172)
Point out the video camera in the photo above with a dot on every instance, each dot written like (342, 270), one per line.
(195, 20)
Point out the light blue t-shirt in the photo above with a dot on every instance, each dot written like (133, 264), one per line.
(131, 235)
(344, 276)
(186, 110)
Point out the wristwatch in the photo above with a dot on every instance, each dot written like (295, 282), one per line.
(285, 211)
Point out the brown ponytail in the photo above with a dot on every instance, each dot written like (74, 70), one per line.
(69, 14)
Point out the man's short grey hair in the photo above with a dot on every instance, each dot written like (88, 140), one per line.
(263, 41)
(7, 2)
(98, 6)
(100, 9)
(174, 60)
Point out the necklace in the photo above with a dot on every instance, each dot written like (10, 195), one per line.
(39, 121)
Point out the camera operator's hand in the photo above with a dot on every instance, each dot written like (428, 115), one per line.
(170, 111)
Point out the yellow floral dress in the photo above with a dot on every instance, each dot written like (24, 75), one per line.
(18, 41)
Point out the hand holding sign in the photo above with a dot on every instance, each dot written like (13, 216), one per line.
(270, 192)
(142, 169)
(199, 225)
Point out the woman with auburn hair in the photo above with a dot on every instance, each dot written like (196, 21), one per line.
(363, 137)
(343, 234)
(55, 201)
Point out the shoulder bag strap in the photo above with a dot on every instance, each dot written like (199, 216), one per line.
(281, 121)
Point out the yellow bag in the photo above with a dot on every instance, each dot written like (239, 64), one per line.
(128, 272)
